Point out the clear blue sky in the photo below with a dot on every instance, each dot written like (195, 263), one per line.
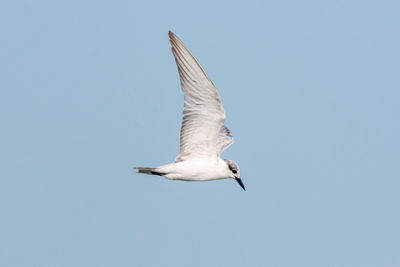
(89, 89)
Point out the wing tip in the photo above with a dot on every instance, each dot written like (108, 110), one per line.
(172, 36)
(175, 41)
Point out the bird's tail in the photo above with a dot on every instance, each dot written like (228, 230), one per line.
(147, 170)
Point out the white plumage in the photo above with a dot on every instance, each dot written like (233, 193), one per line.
(203, 134)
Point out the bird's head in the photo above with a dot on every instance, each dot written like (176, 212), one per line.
(234, 172)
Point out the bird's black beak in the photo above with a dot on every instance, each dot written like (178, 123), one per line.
(240, 183)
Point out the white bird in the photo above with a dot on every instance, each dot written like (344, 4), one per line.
(203, 133)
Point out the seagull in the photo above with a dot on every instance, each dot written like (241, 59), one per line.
(203, 135)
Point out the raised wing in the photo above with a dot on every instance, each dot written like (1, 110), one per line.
(203, 114)
(224, 140)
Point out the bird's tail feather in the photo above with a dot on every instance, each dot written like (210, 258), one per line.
(147, 170)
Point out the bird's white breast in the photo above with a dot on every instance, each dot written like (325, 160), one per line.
(198, 169)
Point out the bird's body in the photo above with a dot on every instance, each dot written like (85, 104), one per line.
(196, 169)
(203, 133)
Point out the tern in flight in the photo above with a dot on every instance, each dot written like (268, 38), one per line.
(203, 133)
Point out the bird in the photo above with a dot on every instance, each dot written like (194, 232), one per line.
(203, 135)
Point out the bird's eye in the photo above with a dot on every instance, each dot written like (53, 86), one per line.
(234, 171)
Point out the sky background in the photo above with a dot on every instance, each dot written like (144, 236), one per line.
(89, 90)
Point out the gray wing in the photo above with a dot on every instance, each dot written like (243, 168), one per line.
(203, 114)
(225, 139)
